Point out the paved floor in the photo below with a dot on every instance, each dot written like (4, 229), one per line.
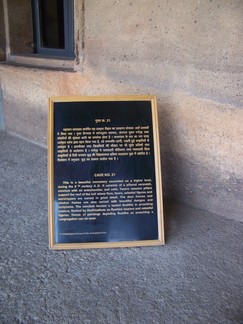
(195, 278)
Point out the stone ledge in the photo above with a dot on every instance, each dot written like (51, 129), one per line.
(37, 61)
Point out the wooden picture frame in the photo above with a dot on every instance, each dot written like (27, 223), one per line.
(104, 173)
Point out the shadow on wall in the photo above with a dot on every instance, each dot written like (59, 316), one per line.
(169, 168)
(184, 179)
(191, 180)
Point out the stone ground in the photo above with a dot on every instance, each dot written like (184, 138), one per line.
(195, 278)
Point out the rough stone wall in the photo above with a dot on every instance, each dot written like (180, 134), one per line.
(192, 46)
(187, 53)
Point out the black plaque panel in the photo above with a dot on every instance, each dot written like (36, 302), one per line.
(104, 172)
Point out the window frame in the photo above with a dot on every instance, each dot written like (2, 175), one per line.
(68, 51)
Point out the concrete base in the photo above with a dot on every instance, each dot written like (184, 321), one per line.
(194, 278)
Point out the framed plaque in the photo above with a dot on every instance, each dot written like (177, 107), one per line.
(104, 175)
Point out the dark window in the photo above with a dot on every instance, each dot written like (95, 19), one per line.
(53, 27)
